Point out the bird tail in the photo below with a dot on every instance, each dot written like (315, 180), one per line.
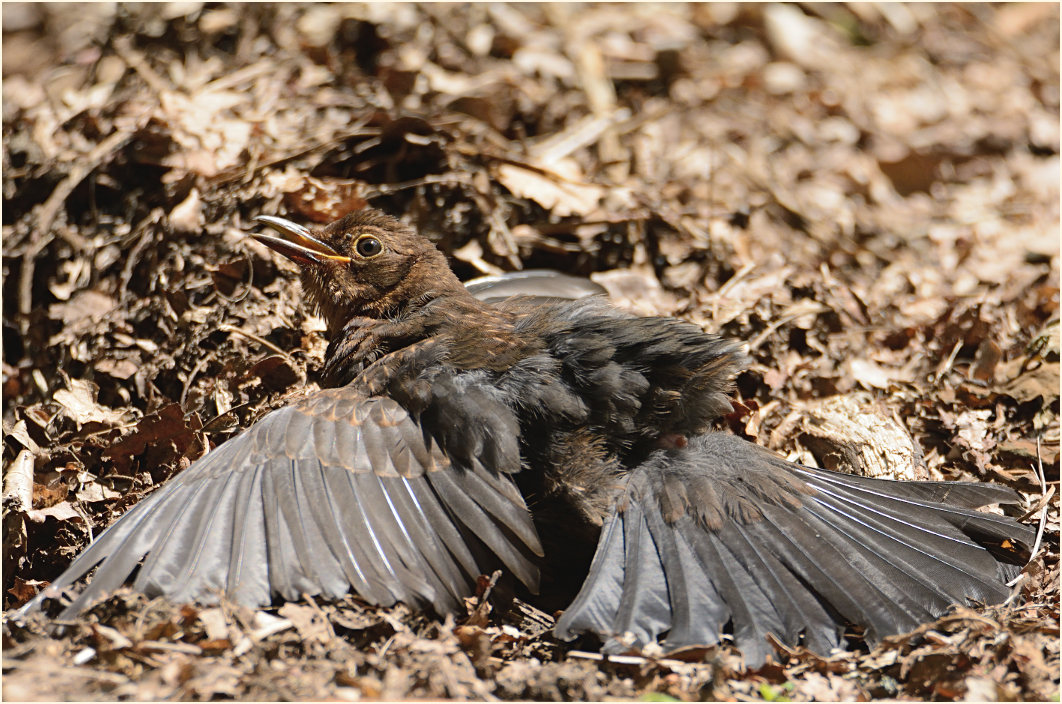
(724, 537)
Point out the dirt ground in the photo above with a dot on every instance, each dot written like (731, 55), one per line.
(866, 193)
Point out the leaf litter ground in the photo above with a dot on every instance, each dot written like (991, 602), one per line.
(867, 194)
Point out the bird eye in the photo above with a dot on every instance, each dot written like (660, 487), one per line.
(368, 247)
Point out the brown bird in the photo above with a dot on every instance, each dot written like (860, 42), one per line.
(562, 441)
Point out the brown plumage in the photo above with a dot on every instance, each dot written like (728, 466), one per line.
(560, 440)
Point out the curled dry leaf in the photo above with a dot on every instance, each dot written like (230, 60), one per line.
(161, 438)
(117, 367)
(324, 200)
(558, 193)
(78, 403)
(187, 215)
(872, 375)
(83, 305)
(62, 511)
(1040, 380)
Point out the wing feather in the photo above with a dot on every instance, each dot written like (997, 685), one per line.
(758, 545)
(338, 492)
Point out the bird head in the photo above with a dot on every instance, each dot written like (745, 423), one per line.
(366, 264)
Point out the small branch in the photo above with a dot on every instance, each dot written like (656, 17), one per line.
(260, 340)
(82, 168)
(1043, 516)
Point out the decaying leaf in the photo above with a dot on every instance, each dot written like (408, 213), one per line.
(78, 403)
(159, 440)
(562, 194)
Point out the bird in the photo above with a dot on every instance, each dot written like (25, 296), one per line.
(558, 439)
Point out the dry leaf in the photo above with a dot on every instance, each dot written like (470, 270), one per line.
(63, 511)
(552, 192)
(78, 403)
(187, 215)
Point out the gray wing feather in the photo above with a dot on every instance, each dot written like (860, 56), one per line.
(761, 546)
(335, 493)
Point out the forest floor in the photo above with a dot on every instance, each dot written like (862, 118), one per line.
(866, 193)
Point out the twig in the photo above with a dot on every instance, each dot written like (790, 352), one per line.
(948, 362)
(260, 340)
(639, 660)
(978, 618)
(383, 189)
(1043, 518)
(735, 279)
(1044, 500)
(18, 482)
(123, 46)
(52, 670)
(192, 375)
(815, 309)
(81, 169)
(163, 646)
(1043, 490)
(245, 74)
(43, 233)
(317, 610)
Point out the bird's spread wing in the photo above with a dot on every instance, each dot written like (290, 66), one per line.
(335, 493)
(724, 536)
(542, 284)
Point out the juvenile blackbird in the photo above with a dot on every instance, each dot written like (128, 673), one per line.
(562, 441)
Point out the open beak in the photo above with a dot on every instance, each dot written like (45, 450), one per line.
(296, 243)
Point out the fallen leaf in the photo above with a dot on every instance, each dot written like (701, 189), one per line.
(86, 304)
(25, 589)
(163, 436)
(869, 373)
(553, 192)
(118, 368)
(275, 372)
(1041, 381)
(78, 403)
(63, 511)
